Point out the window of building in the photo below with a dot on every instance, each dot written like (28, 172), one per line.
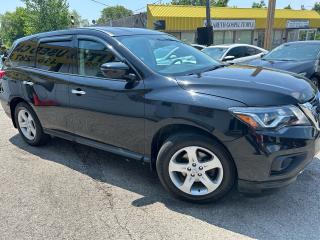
(277, 38)
(188, 37)
(55, 56)
(24, 54)
(228, 37)
(243, 36)
(218, 37)
(91, 55)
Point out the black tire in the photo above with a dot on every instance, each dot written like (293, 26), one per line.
(40, 137)
(180, 141)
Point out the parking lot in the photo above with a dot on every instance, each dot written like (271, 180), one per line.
(69, 191)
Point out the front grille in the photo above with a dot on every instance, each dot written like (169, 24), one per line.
(312, 110)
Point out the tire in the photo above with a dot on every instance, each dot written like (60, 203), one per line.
(175, 149)
(29, 125)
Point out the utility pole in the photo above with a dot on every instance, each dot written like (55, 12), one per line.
(208, 14)
(269, 25)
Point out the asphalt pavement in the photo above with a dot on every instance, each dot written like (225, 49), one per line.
(69, 191)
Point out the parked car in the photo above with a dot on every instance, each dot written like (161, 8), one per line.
(198, 46)
(204, 127)
(298, 57)
(234, 53)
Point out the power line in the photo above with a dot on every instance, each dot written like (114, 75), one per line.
(159, 1)
(101, 3)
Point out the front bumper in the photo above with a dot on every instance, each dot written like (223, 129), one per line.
(267, 160)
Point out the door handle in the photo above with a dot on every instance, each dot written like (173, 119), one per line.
(78, 92)
(28, 83)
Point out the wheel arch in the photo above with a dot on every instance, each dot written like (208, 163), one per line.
(13, 104)
(169, 130)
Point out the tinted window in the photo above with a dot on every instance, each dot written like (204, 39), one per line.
(23, 54)
(237, 52)
(91, 55)
(55, 56)
(167, 55)
(250, 51)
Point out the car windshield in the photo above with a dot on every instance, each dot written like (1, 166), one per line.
(294, 52)
(216, 52)
(167, 55)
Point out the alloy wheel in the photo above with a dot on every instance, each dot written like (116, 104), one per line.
(195, 170)
(27, 124)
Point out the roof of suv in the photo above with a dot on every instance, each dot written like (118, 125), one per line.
(111, 31)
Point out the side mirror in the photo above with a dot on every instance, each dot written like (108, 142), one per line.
(117, 70)
(229, 58)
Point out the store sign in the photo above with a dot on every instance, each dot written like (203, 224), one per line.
(298, 23)
(233, 24)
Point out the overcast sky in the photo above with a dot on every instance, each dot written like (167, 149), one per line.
(91, 10)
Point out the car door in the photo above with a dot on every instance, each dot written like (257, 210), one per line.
(236, 52)
(46, 84)
(105, 109)
(250, 53)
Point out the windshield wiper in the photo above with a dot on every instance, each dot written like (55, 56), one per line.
(206, 70)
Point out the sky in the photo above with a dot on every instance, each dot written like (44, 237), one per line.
(90, 9)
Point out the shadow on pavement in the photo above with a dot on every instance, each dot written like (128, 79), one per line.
(291, 213)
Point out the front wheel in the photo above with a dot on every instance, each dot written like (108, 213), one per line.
(195, 168)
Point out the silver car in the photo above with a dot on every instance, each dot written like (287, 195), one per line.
(234, 53)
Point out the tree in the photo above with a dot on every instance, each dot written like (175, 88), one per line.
(12, 25)
(217, 3)
(260, 4)
(221, 3)
(112, 13)
(303, 7)
(46, 15)
(316, 7)
(288, 7)
(78, 20)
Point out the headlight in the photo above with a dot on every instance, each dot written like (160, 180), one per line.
(270, 117)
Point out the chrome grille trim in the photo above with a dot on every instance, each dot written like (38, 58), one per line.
(312, 111)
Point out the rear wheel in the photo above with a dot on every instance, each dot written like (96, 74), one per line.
(29, 125)
(195, 168)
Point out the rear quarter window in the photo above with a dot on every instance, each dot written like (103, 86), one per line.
(23, 54)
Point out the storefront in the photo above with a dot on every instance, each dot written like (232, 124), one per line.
(234, 25)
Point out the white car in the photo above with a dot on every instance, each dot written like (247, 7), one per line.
(234, 53)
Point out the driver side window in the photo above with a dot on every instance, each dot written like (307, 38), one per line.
(236, 52)
(91, 55)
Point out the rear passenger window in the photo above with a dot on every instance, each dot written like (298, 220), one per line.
(252, 51)
(55, 56)
(23, 54)
(91, 55)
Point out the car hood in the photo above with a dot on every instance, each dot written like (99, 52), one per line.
(253, 86)
(291, 66)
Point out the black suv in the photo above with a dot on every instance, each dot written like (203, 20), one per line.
(145, 95)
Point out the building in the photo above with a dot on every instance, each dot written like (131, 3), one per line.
(134, 21)
(234, 25)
